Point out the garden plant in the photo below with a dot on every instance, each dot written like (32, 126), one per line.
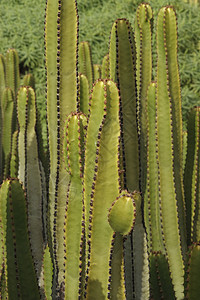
(109, 209)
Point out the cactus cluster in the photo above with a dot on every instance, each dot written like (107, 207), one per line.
(111, 209)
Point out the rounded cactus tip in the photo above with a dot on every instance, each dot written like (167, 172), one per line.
(122, 214)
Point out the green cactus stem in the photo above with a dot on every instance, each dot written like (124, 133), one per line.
(152, 212)
(161, 283)
(83, 94)
(29, 80)
(105, 67)
(121, 218)
(192, 273)
(85, 62)
(74, 217)
(122, 59)
(143, 39)
(7, 127)
(169, 146)
(191, 177)
(61, 32)
(97, 72)
(105, 188)
(47, 268)
(14, 160)
(29, 170)
(21, 277)
(12, 70)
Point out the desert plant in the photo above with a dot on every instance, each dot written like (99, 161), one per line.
(109, 212)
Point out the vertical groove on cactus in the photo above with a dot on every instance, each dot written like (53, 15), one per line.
(170, 177)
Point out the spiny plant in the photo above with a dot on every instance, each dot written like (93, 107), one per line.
(111, 211)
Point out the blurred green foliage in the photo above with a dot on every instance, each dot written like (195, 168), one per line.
(22, 27)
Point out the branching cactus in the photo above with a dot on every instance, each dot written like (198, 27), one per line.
(106, 213)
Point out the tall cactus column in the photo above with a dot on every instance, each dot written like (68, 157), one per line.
(61, 32)
(169, 146)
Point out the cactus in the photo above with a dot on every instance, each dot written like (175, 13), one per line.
(19, 270)
(111, 207)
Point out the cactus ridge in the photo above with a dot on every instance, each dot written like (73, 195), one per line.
(14, 161)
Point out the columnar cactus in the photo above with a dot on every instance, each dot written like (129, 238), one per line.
(112, 208)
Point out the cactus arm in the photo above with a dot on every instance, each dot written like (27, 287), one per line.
(105, 67)
(22, 282)
(85, 62)
(12, 70)
(143, 41)
(96, 113)
(74, 216)
(2, 87)
(192, 272)
(7, 127)
(63, 67)
(29, 80)
(121, 218)
(151, 201)
(47, 273)
(191, 177)
(29, 170)
(84, 94)
(2, 75)
(97, 72)
(105, 188)
(122, 68)
(14, 161)
(161, 283)
(170, 191)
